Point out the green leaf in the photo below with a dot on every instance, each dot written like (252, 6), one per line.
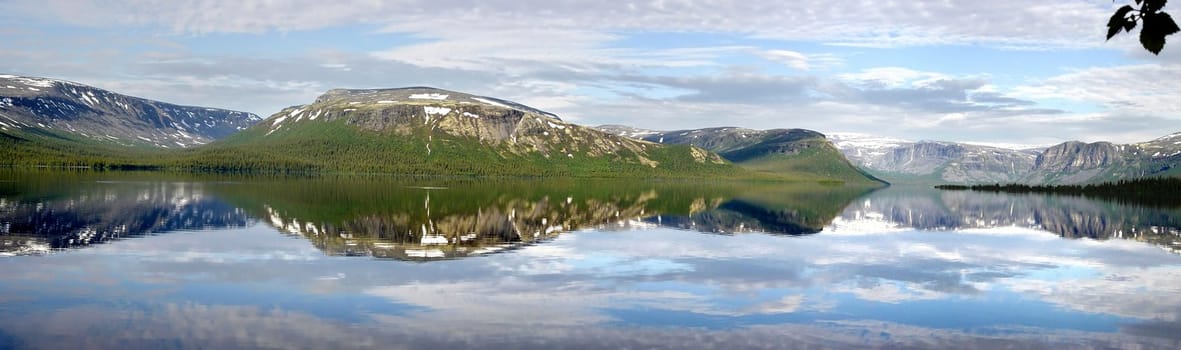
(1129, 26)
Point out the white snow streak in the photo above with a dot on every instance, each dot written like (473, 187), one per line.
(428, 96)
(491, 102)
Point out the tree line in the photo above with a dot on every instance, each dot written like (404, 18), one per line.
(1155, 191)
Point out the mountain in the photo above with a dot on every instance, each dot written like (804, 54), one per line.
(1077, 162)
(423, 130)
(49, 122)
(48, 106)
(1072, 162)
(900, 161)
(786, 152)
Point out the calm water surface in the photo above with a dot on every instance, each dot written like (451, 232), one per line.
(157, 261)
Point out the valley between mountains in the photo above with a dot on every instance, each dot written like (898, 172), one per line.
(428, 131)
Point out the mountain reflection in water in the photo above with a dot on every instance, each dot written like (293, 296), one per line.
(247, 262)
(398, 219)
(1067, 216)
(412, 219)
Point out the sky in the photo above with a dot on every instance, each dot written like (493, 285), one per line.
(999, 71)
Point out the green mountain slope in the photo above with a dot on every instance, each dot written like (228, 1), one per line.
(90, 113)
(794, 153)
(438, 132)
(54, 148)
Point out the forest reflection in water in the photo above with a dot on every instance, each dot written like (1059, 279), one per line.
(401, 218)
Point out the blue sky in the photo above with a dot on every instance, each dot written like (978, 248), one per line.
(1004, 71)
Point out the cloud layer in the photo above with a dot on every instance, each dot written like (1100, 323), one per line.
(910, 69)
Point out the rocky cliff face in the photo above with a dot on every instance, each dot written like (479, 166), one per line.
(1073, 162)
(904, 161)
(1076, 156)
(29, 104)
(1077, 162)
(1067, 163)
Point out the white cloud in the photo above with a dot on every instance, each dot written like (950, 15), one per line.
(1144, 89)
(594, 62)
(1009, 22)
(791, 58)
(892, 77)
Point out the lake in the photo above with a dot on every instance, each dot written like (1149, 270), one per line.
(160, 261)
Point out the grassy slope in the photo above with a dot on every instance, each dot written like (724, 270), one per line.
(820, 161)
(338, 147)
(934, 178)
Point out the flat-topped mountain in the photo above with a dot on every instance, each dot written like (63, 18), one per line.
(423, 130)
(1078, 162)
(790, 152)
(32, 107)
(901, 161)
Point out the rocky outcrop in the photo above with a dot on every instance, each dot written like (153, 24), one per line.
(1077, 156)
(31, 104)
(1067, 163)
(934, 161)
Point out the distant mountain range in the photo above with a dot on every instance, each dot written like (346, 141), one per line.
(48, 122)
(777, 151)
(31, 107)
(900, 161)
(423, 130)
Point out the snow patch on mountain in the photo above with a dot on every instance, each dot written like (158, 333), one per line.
(428, 96)
(862, 145)
(432, 110)
(30, 82)
(491, 102)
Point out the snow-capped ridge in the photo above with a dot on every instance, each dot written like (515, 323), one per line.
(106, 116)
(423, 95)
